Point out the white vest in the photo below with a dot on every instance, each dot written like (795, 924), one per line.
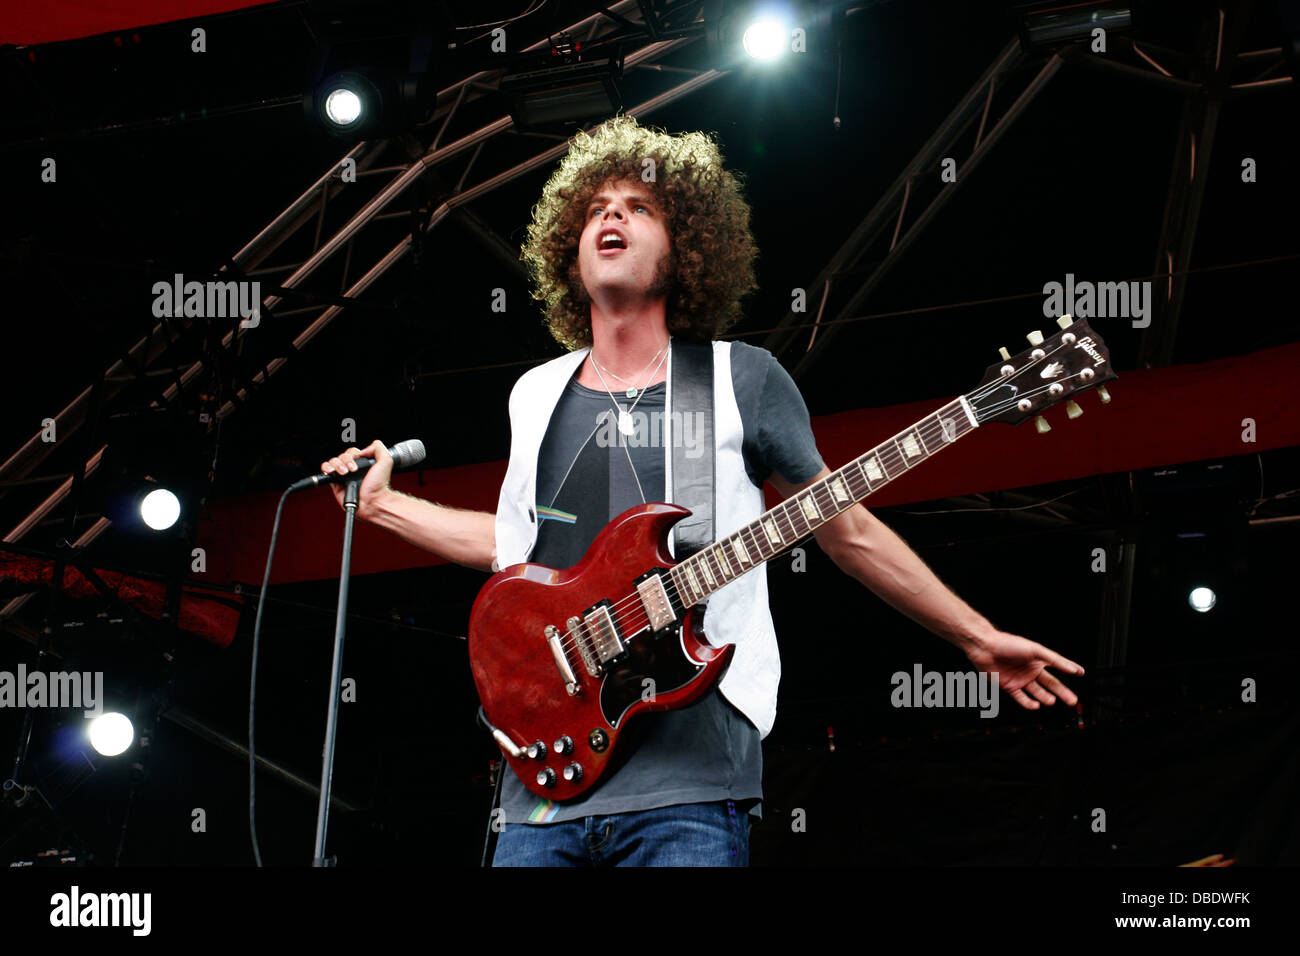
(738, 613)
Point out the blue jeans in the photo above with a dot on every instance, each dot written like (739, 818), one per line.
(691, 834)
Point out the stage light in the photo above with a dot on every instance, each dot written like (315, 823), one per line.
(352, 104)
(569, 86)
(1202, 599)
(111, 734)
(372, 78)
(766, 39)
(160, 508)
(773, 36)
(342, 106)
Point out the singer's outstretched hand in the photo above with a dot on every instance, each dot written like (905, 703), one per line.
(375, 481)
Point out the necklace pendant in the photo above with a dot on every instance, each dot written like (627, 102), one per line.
(625, 424)
(631, 393)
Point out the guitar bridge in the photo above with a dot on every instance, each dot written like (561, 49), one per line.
(571, 685)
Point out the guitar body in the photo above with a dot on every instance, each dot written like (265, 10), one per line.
(524, 693)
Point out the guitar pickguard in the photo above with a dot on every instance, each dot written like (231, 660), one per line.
(660, 659)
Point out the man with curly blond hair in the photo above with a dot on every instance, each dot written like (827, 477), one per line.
(641, 238)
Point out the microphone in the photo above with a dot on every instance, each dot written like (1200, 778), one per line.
(405, 454)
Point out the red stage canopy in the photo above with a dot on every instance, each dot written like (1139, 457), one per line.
(211, 615)
(1158, 417)
(48, 21)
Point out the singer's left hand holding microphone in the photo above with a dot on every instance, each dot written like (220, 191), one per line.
(374, 485)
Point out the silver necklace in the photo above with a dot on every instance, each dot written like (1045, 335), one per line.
(625, 424)
(632, 390)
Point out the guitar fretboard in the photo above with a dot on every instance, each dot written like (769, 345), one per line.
(797, 517)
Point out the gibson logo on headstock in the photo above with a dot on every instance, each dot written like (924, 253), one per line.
(1088, 346)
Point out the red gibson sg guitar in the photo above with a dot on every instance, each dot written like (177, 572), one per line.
(560, 656)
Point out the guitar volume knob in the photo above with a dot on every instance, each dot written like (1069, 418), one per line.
(563, 745)
(573, 772)
(536, 751)
(546, 777)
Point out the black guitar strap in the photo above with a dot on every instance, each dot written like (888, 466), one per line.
(691, 415)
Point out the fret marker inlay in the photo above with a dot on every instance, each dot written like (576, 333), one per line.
(773, 535)
(690, 577)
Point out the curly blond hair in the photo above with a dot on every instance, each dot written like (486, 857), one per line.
(707, 219)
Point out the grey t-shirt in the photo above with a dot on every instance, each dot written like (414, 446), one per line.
(588, 474)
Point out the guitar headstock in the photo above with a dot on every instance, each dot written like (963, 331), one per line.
(1073, 360)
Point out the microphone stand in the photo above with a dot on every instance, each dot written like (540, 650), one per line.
(352, 488)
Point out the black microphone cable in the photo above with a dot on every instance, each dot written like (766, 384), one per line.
(252, 682)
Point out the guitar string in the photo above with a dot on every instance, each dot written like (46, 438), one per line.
(925, 430)
(619, 610)
(621, 607)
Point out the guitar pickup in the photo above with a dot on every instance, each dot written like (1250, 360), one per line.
(582, 641)
(654, 598)
(602, 633)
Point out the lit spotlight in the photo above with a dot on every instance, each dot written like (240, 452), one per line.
(353, 104)
(111, 734)
(766, 39)
(342, 106)
(160, 509)
(1202, 599)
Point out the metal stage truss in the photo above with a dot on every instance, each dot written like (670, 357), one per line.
(166, 354)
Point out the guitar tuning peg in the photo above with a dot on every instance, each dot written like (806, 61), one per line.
(1002, 351)
(1072, 409)
(1065, 321)
(1103, 394)
(1035, 337)
(1041, 424)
